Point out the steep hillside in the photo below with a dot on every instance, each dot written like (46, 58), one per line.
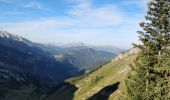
(102, 84)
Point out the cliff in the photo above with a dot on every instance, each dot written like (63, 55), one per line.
(125, 54)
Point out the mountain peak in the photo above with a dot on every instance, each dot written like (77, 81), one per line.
(5, 34)
(6, 38)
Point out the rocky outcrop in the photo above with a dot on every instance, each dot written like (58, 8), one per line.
(125, 54)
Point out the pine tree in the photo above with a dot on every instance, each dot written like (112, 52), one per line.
(150, 75)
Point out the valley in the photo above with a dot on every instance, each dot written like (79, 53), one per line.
(33, 70)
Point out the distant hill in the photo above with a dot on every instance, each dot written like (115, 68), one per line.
(86, 58)
(82, 57)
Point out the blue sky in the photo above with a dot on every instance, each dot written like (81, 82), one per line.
(96, 22)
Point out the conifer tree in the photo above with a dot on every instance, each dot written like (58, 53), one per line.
(150, 75)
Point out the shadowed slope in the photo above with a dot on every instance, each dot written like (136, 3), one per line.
(64, 92)
(105, 92)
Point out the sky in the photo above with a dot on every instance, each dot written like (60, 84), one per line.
(95, 22)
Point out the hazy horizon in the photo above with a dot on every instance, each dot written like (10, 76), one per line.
(94, 22)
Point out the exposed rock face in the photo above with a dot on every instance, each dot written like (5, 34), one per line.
(125, 54)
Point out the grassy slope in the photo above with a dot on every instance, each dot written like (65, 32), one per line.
(92, 83)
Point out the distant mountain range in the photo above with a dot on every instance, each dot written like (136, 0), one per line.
(106, 48)
(86, 58)
(82, 57)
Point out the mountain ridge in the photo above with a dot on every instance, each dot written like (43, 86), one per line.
(25, 57)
